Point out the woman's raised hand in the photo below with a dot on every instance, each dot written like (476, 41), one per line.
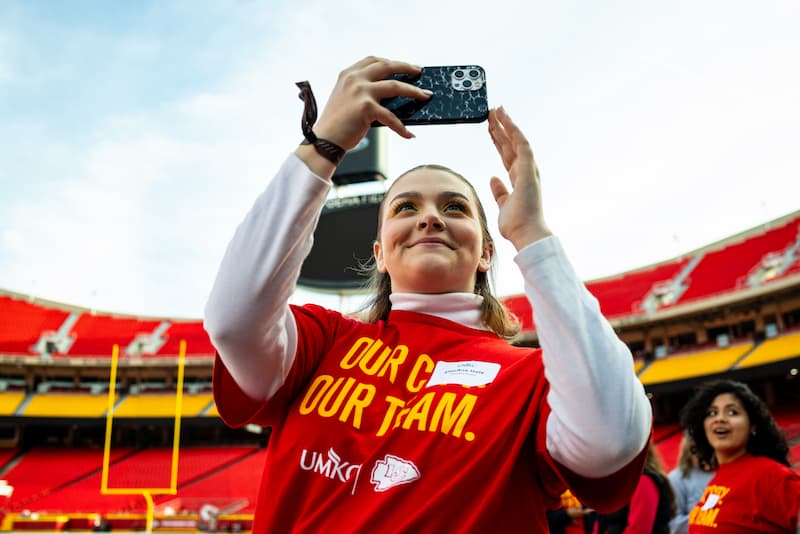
(520, 220)
(354, 103)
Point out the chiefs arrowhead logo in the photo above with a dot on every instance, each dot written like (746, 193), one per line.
(393, 471)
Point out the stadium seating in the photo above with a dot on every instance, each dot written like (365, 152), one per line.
(90, 334)
(76, 487)
(6, 455)
(237, 482)
(717, 271)
(197, 342)
(10, 401)
(668, 449)
(622, 295)
(662, 432)
(724, 270)
(792, 269)
(42, 471)
(212, 411)
(773, 350)
(788, 419)
(22, 324)
(95, 335)
(618, 296)
(66, 405)
(150, 468)
(694, 364)
(162, 405)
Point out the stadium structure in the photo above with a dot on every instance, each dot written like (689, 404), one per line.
(79, 451)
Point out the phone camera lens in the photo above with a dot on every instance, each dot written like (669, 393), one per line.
(474, 73)
(467, 84)
(458, 74)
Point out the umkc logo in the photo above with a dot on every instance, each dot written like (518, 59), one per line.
(331, 467)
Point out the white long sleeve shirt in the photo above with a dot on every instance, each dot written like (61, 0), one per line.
(600, 418)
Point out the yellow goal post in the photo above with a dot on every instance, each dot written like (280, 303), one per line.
(147, 493)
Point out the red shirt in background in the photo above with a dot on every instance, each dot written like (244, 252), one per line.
(752, 494)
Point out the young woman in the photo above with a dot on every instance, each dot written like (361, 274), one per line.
(422, 418)
(754, 489)
(688, 481)
(651, 507)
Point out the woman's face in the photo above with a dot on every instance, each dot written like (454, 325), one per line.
(727, 427)
(431, 239)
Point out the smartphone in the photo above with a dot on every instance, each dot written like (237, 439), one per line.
(459, 95)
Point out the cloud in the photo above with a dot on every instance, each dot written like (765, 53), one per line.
(647, 124)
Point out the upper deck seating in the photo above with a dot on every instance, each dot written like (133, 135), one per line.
(723, 270)
(621, 295)
(22, 323)
(197, 342)
(95, 335)
(618, 296)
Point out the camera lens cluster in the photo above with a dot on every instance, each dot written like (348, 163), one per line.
(467, 78)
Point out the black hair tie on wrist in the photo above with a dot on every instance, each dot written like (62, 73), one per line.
(328, 150)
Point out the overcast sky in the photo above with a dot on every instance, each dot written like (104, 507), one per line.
(135, 135)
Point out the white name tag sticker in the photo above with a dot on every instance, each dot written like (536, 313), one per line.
(471, 373)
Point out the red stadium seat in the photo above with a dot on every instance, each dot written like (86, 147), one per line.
(22, 323)
(724, 269)
(95, 335)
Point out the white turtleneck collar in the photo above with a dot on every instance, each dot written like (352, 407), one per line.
(463, 308)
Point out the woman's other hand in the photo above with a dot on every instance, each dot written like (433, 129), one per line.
(520, 220)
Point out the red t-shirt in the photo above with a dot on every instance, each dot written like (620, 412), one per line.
(415, 424)
(643, 507)
(752, 494)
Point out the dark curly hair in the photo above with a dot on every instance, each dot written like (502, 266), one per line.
(768, 440)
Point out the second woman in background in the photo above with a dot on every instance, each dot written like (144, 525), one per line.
(689, 481)
(754, 489)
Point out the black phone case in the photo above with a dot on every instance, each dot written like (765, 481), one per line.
(451, 102)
